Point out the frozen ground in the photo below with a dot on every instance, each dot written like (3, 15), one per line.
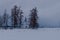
(30, 34)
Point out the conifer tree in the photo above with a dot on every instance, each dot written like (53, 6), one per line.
(20, 18)
(1, 22)
(33, 19)
(5, 19)
(14, 16)
(26, 24)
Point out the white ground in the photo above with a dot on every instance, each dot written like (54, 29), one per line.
(29, 34)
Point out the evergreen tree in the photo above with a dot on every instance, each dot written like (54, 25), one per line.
(1, 22)
(26, 25)
(14, 16)
(5, 19)
(20, 18)
(33, 19)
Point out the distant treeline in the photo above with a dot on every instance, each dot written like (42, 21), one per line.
(17, 19)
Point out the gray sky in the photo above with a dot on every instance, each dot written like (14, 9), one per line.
(48, 10)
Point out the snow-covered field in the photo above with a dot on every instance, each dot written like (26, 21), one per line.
(30, 34)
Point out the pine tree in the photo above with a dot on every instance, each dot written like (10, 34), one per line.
(14, 16)
(25, 22)
(5, 19)
(1, 22)
(33, 19)
(20, 18)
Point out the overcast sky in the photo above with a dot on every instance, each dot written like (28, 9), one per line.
(48, 10)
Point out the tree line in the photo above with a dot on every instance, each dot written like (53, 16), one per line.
(16, 19)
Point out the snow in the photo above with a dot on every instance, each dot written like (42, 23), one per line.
(30, 34)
